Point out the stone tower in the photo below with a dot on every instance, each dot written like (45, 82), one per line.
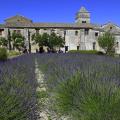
(82, 16)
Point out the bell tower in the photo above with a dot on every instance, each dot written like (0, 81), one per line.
(82, 16)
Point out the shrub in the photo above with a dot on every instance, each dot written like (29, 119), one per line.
(83, 98)
(82, 86)
(84, 51)
(13, 53)
(18, 97)
(3, 54)
(100, 53)
(87, 52)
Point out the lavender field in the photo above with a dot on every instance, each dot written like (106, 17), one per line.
(18, 89)
(77, 87)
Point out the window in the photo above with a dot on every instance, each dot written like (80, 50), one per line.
(64, 32)
(78, 47)
(14, 31)
(45, 28)
(66, 48)
(0, 32)
(110, 28)
(83, 21)
(37, 31)
(86, 31)
(17, 31)
(117, 44)
(94, 45)
(18, 20)
(76, 33)
(96, 34)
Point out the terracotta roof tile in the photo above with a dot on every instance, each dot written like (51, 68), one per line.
(63, 25)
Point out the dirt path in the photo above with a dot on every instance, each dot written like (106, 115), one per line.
(41, 88)
(44, 113)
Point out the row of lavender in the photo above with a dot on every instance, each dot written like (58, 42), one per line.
(18, 89)
(82, 87)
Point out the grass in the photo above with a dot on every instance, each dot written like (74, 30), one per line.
(84, 51)
(83, 98)
(13, 53)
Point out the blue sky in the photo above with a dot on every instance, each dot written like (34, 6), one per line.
(102, 11)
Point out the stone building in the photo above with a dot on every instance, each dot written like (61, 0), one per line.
(81, 35)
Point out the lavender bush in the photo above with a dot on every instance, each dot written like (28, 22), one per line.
(82, 87)
(78, 87)
(18, 89)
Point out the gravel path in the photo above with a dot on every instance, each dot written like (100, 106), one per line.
(44, 112)
(40, 79)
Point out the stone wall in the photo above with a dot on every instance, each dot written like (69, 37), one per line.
(73, 38)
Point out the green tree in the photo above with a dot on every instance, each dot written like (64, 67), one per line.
(50, 41)
(18, 40)
(55, 41)
(3, 42)
(107, 42)
(37, 38)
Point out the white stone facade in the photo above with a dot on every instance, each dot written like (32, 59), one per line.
(80, 35)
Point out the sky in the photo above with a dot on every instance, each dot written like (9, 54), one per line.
(61, 11)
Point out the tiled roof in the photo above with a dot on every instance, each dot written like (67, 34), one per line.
(112, 28)
(53, 25)
(19, 24)
(63, 25)
(115, 32)
(49, 25)
(18, 21)
(18, 17)
(98, 27)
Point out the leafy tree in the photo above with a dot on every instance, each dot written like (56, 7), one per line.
(3, 42)
(107, 42)
(50, 41)
(41, 40)
(18, 40)
(56, 41)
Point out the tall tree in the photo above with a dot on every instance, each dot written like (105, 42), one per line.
(18, 40)
(9, 40)
(37, 38)
(107, 42)
(50, 41)
(56, 41)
